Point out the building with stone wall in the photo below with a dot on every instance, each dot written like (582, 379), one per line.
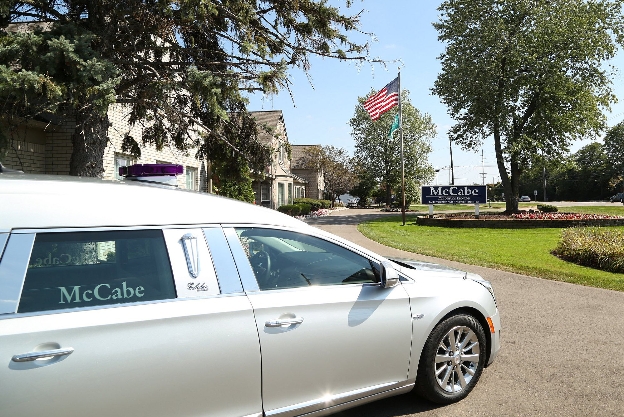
(315, 185)
(45, 147)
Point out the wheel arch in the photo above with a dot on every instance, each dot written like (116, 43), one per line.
(478, 315)
(460, 308)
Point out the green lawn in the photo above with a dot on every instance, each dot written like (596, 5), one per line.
(613, 210)
(525, 251)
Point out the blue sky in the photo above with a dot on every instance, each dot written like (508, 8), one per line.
(403, 29)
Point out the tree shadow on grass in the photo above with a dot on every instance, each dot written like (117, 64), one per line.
(355, 219)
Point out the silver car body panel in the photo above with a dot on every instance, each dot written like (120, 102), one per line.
(429, 308)
(159, 359)
(13, 270)
(205, 283)
(64, 197)
(331, 402)
(331, 351)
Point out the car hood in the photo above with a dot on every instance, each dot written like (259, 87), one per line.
(419, 269)
(428, 270)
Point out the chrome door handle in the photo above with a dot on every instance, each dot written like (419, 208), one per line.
(284, 322)
(44, 354)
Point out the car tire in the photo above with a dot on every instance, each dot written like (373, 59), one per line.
(462, 340)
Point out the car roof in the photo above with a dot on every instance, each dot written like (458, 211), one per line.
(53, 201)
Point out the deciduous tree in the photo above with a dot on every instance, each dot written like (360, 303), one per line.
(529, 73)
(614, 148)
(337, 168)
(379, 154)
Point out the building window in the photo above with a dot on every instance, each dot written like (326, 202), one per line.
(290, 193)
(191, 178)
(122, 160)
(311, 261)
(85, 269)
(280, 194)
(299, 192)
(265, 192)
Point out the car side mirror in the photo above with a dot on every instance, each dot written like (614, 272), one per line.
(389, 275)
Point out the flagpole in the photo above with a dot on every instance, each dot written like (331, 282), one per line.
(402, 160)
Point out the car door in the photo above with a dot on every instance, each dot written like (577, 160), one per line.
(117, 335)
(329, 333)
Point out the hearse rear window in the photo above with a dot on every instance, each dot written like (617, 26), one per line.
(83, 269)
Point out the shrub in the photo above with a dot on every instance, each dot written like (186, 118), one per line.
(314, 204)
(547, 208)
(325, 204)
(290, 209)
(305, 208)
(594, 247)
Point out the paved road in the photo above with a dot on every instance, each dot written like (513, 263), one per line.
(562, 345)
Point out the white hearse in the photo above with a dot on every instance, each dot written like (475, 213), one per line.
(124, 299)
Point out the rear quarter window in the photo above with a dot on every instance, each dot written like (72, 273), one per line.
(83, 269)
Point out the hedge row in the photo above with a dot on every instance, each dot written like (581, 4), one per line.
(299, 209)
(547, 208)
(594, 247)
(315, 204)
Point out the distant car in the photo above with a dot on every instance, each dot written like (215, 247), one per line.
(525, 199)
(619, 197)
(164, 302)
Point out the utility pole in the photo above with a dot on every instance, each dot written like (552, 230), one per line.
(451, 171)
(482, 169)
(544, 182)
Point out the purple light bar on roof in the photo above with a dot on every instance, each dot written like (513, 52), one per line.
(150, 170)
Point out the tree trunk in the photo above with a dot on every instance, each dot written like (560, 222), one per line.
(89, 143)
(510, 184)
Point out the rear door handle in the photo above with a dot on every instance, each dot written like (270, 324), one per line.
(284, 322)
(44, 354)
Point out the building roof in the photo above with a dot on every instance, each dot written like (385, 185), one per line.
(269, 119)
(298, 152)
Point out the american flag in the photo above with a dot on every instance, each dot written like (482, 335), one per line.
(384, 100)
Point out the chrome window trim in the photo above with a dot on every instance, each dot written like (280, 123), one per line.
(13, 270)
(109, 306)
(245, 272)
(191, 253)
(363, 400)
(223, 261)
(111, 228)
(3, 240)
(335, 400)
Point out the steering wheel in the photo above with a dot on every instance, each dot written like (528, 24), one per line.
(261, 264)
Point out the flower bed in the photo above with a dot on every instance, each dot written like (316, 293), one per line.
(528, 219)
(317, 213)
(562, 216)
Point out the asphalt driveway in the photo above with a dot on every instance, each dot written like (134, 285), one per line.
(562, 345)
